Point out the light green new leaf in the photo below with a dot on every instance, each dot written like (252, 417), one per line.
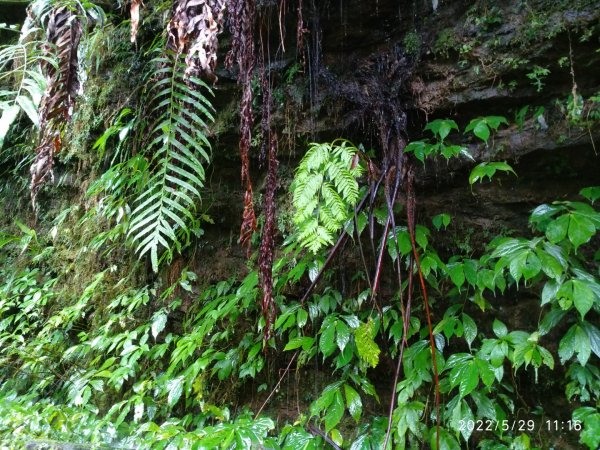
(368, 350)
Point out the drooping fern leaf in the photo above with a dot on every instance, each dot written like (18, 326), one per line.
(324, 192)
(178, 150)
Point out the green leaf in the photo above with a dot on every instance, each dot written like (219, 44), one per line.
(594, 336)
(583, 297)
(457, 274)
(482, 131)
(174, 389)
(590, 435)
(447, 441)
(342, 336)
(581, 229)
(582, 345)
(469, 379)
(567, 345)
(335, 412)
(550, 265)
(441, 127)
(417, 148)
(440, 220)
(158, 323)
(591, 193)
(488, 169)
(305, 342)
(499, 328)
(470, 329)
(353, 402)
(325, 191)
(367, 349)
(557, 229)
(9, 115)
(409, 416)
(327, 343)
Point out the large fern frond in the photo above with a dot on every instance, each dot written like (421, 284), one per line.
(324, 192)
(179, 150)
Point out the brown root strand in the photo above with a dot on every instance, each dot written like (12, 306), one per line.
(267, 246)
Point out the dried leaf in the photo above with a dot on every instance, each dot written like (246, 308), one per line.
(63, 34)
(135, 18)
(193, 31)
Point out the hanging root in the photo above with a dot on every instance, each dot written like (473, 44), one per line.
(267, 246)
(242, 23)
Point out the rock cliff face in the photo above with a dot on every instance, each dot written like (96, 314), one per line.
(369, 63)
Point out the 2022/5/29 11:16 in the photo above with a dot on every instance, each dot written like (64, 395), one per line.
(518, 425)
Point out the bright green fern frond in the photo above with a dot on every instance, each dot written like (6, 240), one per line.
(178, 150)
(325, 192)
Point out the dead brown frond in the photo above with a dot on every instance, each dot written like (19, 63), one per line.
(242, 23)
(193, 31)
(62, 40)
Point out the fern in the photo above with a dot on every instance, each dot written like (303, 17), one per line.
(179, 149)
(325, 191)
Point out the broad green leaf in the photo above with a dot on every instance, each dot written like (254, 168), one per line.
(327, 343)
(30, 109)
(500, 329)
(470, 329)
(567, 345)
(488, 170)
(353, 402)
(174, 389)
(581, 229)
(409, 415)
(592, 193)
(482, 131)
(557, 230)
(158, 323)
(590, 435)
(440, 220)
(300, 341)
(441, 127)
(550, 265)
(457, 274)
(9, 115)
(335, 411)
(583, 297)
(469, 379)
(594, 336)
(447, 441)
(582, 346)
(342, 336)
